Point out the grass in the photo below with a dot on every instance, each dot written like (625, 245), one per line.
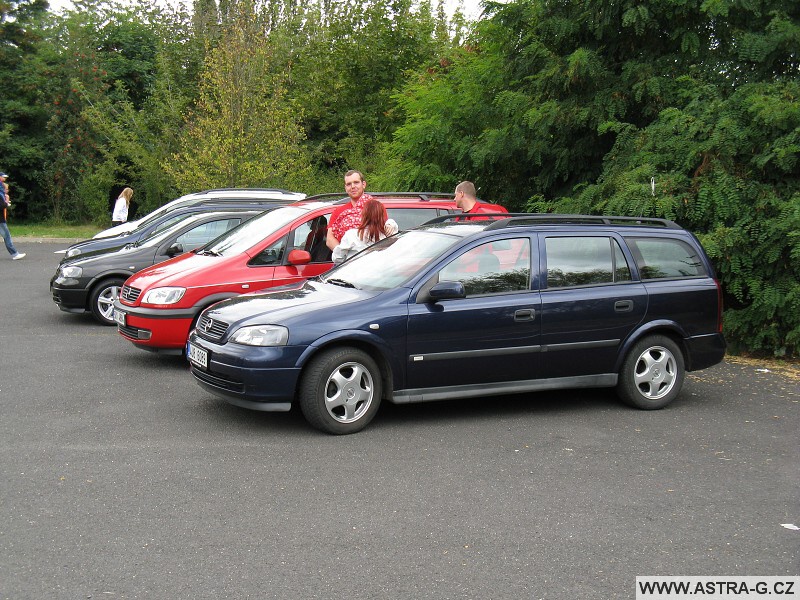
(48, 230)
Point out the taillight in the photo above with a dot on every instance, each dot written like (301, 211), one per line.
(719, 306)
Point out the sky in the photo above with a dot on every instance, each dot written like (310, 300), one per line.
(471, 8)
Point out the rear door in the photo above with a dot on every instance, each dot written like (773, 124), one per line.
(590, 303)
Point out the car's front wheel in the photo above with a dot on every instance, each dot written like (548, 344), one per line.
(652, 374)
(101, 300)
(340, 390)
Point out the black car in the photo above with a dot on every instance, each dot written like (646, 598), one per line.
(472, 309)
(93, 283)
(160, 219)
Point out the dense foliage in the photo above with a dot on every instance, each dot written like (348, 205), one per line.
(684, 109)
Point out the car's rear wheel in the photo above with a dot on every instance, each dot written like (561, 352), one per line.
(340, 390)
(101, 300)
(652, 374)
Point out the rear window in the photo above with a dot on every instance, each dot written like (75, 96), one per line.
(408, 218)
(663, 258)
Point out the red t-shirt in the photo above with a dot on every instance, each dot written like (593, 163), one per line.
(483, 207)
(348, 216)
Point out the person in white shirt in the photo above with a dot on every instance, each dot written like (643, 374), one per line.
(372, 229)
(121, 206)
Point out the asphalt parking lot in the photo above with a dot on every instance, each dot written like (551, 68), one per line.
(122, 478)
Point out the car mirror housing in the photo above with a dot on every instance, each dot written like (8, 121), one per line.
(446, 290)
(299, 257)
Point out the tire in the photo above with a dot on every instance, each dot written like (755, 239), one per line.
(340, 390)
(101, 300)
(652, 374)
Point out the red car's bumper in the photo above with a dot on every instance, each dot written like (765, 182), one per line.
(155, 333)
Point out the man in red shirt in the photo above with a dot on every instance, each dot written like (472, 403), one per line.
(348, 216)
(467, 200)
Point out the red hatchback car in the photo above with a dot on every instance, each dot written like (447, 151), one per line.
(159, 305)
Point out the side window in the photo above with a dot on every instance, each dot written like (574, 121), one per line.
(659, 258)
(408, 218)
(310, 236)
(492, 268)
(574, 261)
(202, 234)
(272, 254)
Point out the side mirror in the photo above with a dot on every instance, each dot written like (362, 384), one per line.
(299, 257)
(175, 249)
(446, 290)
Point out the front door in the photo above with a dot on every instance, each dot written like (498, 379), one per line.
(488, 337)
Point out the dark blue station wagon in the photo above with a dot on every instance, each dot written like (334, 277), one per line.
(470, 309)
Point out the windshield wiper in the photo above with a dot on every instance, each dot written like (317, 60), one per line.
(208, 252)
(341, 282)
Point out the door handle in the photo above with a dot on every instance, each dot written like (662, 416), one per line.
(525, 314)
(623, 305)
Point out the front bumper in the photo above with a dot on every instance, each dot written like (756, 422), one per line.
(248, 376)
(153, 329)
(70, 299)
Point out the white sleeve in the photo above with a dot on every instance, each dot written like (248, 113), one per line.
(341, 251)
(390, 227)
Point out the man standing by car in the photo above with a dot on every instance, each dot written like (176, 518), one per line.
(467, 200)
(348, 216)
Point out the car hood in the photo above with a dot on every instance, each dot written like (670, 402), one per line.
(286, 302)
(171, 272)
(122, 258)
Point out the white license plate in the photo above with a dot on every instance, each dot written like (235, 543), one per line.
(197, 356)
(119, 317)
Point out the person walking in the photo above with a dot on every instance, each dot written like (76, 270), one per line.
(121, 206)
(5, 203)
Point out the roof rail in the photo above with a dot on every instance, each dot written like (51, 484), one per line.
(503, 220)
(424, 196)
(247, 189)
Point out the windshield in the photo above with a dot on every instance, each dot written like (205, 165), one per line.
(157, 237)
(253, 231)
(391, 262)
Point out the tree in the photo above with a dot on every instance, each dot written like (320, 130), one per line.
(244, 130)
(22, 115)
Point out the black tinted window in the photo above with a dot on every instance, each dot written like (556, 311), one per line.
(659, 258)
(573, 261)
(495, 268)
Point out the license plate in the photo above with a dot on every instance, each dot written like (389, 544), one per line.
(119, 317)
(197, 356)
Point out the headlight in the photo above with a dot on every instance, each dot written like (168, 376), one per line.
(71, 272)
(73, 252)
(68, 275)
(261, 335)
(165, 295)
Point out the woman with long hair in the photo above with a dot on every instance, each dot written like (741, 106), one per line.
(121, 206)
(372, 229)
